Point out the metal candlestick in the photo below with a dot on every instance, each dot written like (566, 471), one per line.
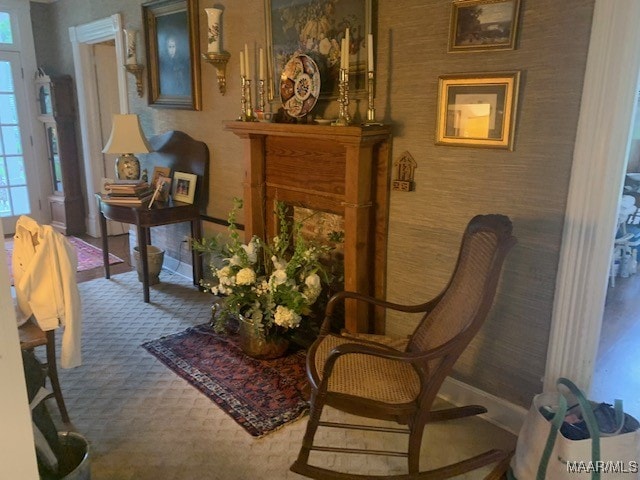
(371, 111)
(248, 117)
(261, 97)
(243, 99)
(344, 118)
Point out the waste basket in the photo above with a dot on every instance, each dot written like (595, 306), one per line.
(155, 257)
(74, 461)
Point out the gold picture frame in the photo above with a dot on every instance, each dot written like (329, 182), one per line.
(315, 28)
(173, 53)
(183, 187)
(483, 25)
(477, 109)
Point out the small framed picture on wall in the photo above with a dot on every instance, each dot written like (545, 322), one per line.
(477, 109)
(483, 25)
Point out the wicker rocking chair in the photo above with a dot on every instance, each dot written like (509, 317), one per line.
(370, 376)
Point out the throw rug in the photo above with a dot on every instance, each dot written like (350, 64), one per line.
(89, 256)
(260, 395)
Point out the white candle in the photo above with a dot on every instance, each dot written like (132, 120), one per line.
(247, 64)
(261, 64)
(342, 54)
(346, 49)
(241, 63)
(370, 51)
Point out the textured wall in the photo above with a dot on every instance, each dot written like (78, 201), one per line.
(452, 183)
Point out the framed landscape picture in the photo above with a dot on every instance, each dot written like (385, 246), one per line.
(483, 25)
(316, 28)
(477, 110)
(171, 34)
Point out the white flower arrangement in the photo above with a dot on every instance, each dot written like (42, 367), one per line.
(271, 285)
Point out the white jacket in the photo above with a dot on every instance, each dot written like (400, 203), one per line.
(44, 272)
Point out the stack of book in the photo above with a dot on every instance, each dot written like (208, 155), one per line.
(127, 192)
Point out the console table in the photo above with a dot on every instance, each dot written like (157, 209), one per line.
(144, 218)
(339, 170)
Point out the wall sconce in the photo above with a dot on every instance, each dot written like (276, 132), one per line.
(214, 55)
(131, 63)
(126, 140)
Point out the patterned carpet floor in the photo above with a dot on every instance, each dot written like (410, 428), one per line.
(144, 422)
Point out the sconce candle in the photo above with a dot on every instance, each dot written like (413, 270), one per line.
(214, 29)
(131, 46)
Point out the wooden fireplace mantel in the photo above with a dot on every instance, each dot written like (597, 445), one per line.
(340, 170)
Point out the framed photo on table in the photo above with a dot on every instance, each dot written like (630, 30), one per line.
(483, 25)
(477, 109)
(184, 187)
(173, 53)
(163, 175)
(316, 28)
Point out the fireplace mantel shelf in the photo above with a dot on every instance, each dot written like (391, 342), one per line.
(339, 170)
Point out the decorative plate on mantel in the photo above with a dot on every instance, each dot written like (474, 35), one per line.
(299, 85)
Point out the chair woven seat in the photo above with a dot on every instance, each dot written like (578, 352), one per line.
(366, 376)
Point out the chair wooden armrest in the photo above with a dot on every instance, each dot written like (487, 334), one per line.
(341, 296)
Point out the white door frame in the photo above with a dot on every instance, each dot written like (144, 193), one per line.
(82, 37)
(599, 163)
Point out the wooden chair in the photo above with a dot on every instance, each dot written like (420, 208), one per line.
(32, 336)
(371, 376)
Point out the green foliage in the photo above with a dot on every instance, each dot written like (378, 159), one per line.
(272, 284)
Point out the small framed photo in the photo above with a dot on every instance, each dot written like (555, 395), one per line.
(477, 109)
(184, 187)
(483, 25)
(173, 53)
(161, 176)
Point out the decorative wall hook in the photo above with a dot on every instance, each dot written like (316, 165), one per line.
(219, 60)
(404, 168)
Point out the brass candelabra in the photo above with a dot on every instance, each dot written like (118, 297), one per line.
(344, 119)
(371, 111)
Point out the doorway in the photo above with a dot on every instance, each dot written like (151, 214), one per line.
(106, 66)
(83, 40)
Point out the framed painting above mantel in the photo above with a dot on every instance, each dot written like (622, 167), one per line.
(316, 28)
(173, 46)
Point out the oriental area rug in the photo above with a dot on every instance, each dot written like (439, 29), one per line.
(260, 395)
(89, 256)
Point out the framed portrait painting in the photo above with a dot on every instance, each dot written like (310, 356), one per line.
(483, 25)
(477, 109)
(171, 35)
(316, 28)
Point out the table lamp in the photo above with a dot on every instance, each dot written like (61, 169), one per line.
(127, 139)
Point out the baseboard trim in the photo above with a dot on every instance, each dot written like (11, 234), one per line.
(500, 412)
(176, 266)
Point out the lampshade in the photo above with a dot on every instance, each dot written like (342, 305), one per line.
(127, 139)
